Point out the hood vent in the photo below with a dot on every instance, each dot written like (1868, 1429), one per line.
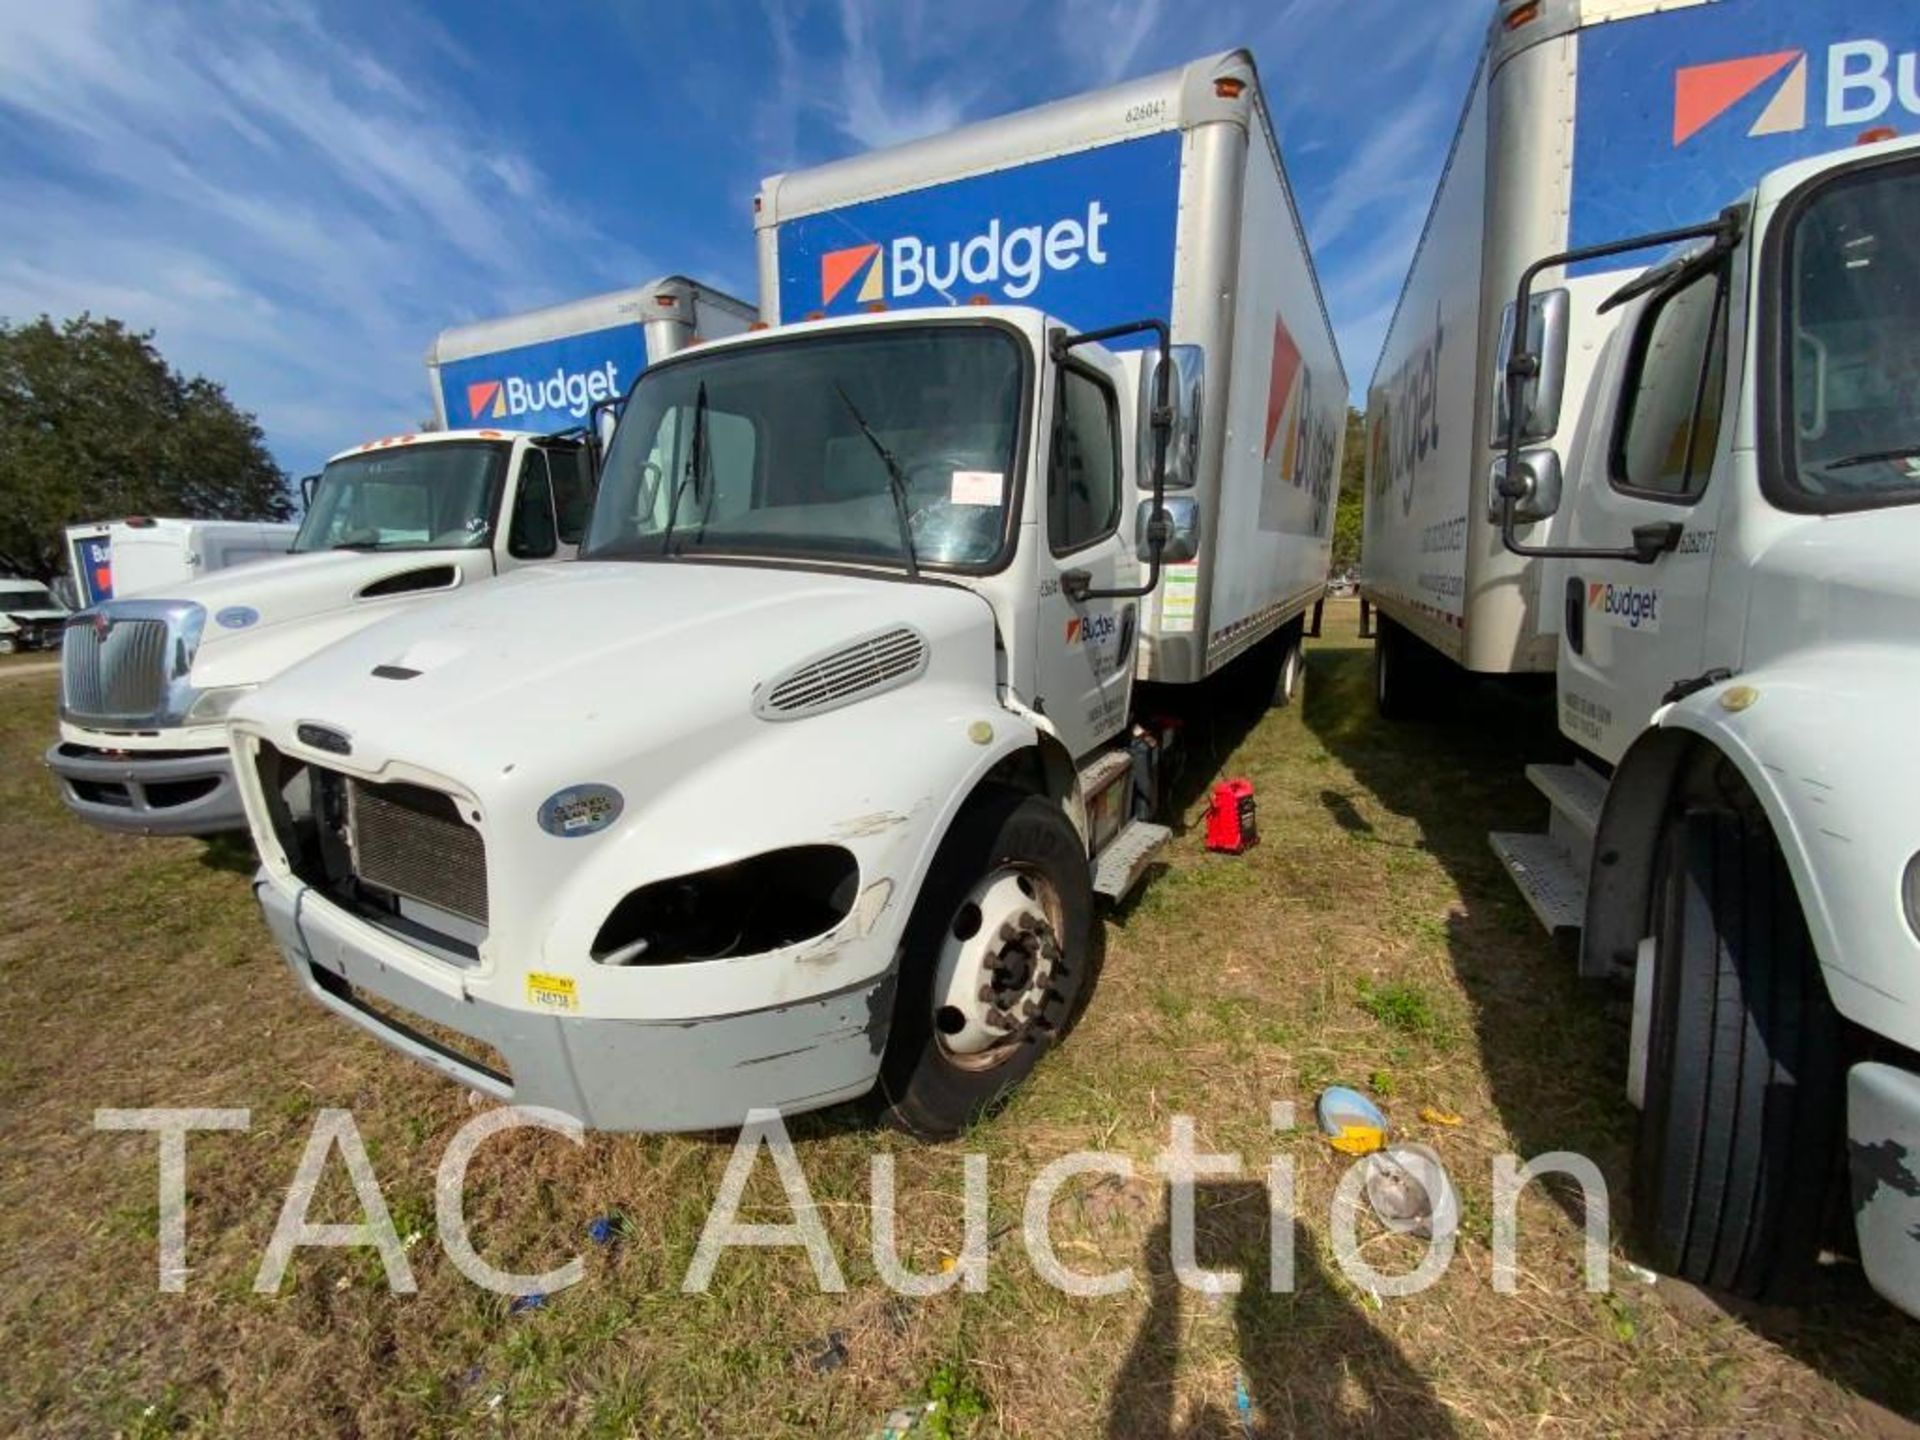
(408, 582)
(871, 665)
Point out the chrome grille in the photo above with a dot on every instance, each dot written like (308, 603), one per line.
(413, 842)
(881, 661)
(121, 676)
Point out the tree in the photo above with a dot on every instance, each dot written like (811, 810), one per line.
(95, 424)
(1353, 487)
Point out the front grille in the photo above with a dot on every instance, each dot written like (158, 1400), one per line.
(881, 661)
(119, 677)
(413, 842)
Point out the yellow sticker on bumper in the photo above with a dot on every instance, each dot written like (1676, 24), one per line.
(552, 992)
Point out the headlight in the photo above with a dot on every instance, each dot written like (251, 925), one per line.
(212, 705)
(1910, 889)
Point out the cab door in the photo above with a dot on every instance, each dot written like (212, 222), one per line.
(549, 499)
(1085, 650)
(1631, 632)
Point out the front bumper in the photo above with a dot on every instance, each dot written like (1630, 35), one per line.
(149, 792)
(1883, 1151)
(647, 1075)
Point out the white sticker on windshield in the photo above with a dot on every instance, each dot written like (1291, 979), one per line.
(978, 487)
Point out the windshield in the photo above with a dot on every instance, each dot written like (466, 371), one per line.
(27, 597)
(1853, 309)
(893, 446)
(433, 496)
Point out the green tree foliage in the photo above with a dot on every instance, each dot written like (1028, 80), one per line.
(1353, 485)
(94, 424)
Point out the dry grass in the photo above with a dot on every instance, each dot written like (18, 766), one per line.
(1369, 939)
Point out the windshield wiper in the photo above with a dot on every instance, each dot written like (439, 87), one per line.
(1872, 457)
(896, 479)
(696, 467)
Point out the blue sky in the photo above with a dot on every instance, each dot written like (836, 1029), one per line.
(297, 197)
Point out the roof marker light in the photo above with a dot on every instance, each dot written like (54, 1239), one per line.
(1522, 15)
(1228, 87)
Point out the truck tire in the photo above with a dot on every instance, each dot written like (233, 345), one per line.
(1398, 674)
(996, 956)
(1293, 663)
(1738, 1145)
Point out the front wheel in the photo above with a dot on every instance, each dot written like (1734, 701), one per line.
(995, 962)
(1739, 1139)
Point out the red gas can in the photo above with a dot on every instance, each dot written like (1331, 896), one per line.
(1231, 823)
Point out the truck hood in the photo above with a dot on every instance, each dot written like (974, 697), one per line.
(1842, 579)
(571, 668)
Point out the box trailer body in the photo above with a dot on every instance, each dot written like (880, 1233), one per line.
(1161, 197)
(546, 369)
(1740, 841)
(804, 779)
(1586, 119)
(140, 556)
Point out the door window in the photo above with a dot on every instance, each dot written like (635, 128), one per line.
(531, 536)
(1083, 475)
(572, 473)
(1675, 393)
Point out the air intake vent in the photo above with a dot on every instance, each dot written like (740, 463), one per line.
(408, 582)
(884, 660)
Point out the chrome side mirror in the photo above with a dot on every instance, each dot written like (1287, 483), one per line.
(1188, 391)
(1549, 313)
(1540, 482)
(1183, 530)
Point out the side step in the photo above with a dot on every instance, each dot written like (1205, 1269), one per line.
(1118, 868)
(1545, 873)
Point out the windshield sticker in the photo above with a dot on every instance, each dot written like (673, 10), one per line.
(978, 487)
(580, 810)
(237, 617)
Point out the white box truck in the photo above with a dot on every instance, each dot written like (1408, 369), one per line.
(1722, 527)
(1587, 119)
(803, 782)
(143, 554)
(31, 618)
(146, 683)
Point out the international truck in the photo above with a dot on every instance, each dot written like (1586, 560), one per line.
(1723, 529)
(802, 783)
(1587, 120)
(143, 554)
(146, 682)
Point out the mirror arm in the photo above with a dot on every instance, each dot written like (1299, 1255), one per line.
(1650, 542)
(1160, 527)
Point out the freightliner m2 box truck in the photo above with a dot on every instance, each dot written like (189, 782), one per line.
(146, 682)
(801, 784)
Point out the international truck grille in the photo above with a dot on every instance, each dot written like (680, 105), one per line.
(114, 673)
(884, 660)
(413, 842)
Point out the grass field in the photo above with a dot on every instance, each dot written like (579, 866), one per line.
(1370, 939)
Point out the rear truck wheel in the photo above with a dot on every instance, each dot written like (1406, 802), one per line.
(1293, 663)
(996, 956)
(1397, 672)
(8, 645)
(1739, 1147)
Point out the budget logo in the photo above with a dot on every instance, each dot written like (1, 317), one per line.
(486, 399)
(838, 268)
(1865, 82)
(1626, 606)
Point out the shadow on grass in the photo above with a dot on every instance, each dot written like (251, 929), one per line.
(1553, 1048)
(1313, 1364)
(230, 854)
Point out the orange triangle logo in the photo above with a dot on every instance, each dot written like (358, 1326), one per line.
(1703, 93)
(1280, 378)
(480, 395)
(837, 267)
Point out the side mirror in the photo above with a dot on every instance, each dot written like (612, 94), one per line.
(308, 484)
(1548, 316)
(601, 421)
(1181, 531)
(1188, 390)
(1536, 496)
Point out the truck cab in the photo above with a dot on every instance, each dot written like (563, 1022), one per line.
(843, 676)
(1736, 650)
(146, 682)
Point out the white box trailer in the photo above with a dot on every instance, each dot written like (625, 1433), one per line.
(1167, 197)
(804, 780)
(545, 370)
(1587, 119)
(143, 554)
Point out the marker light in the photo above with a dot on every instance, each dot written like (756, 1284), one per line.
(1522, 15)
(875, 307)
(665, 302)
(979, 300)
(1228, 87)
(757, 326)
(1877, 134)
